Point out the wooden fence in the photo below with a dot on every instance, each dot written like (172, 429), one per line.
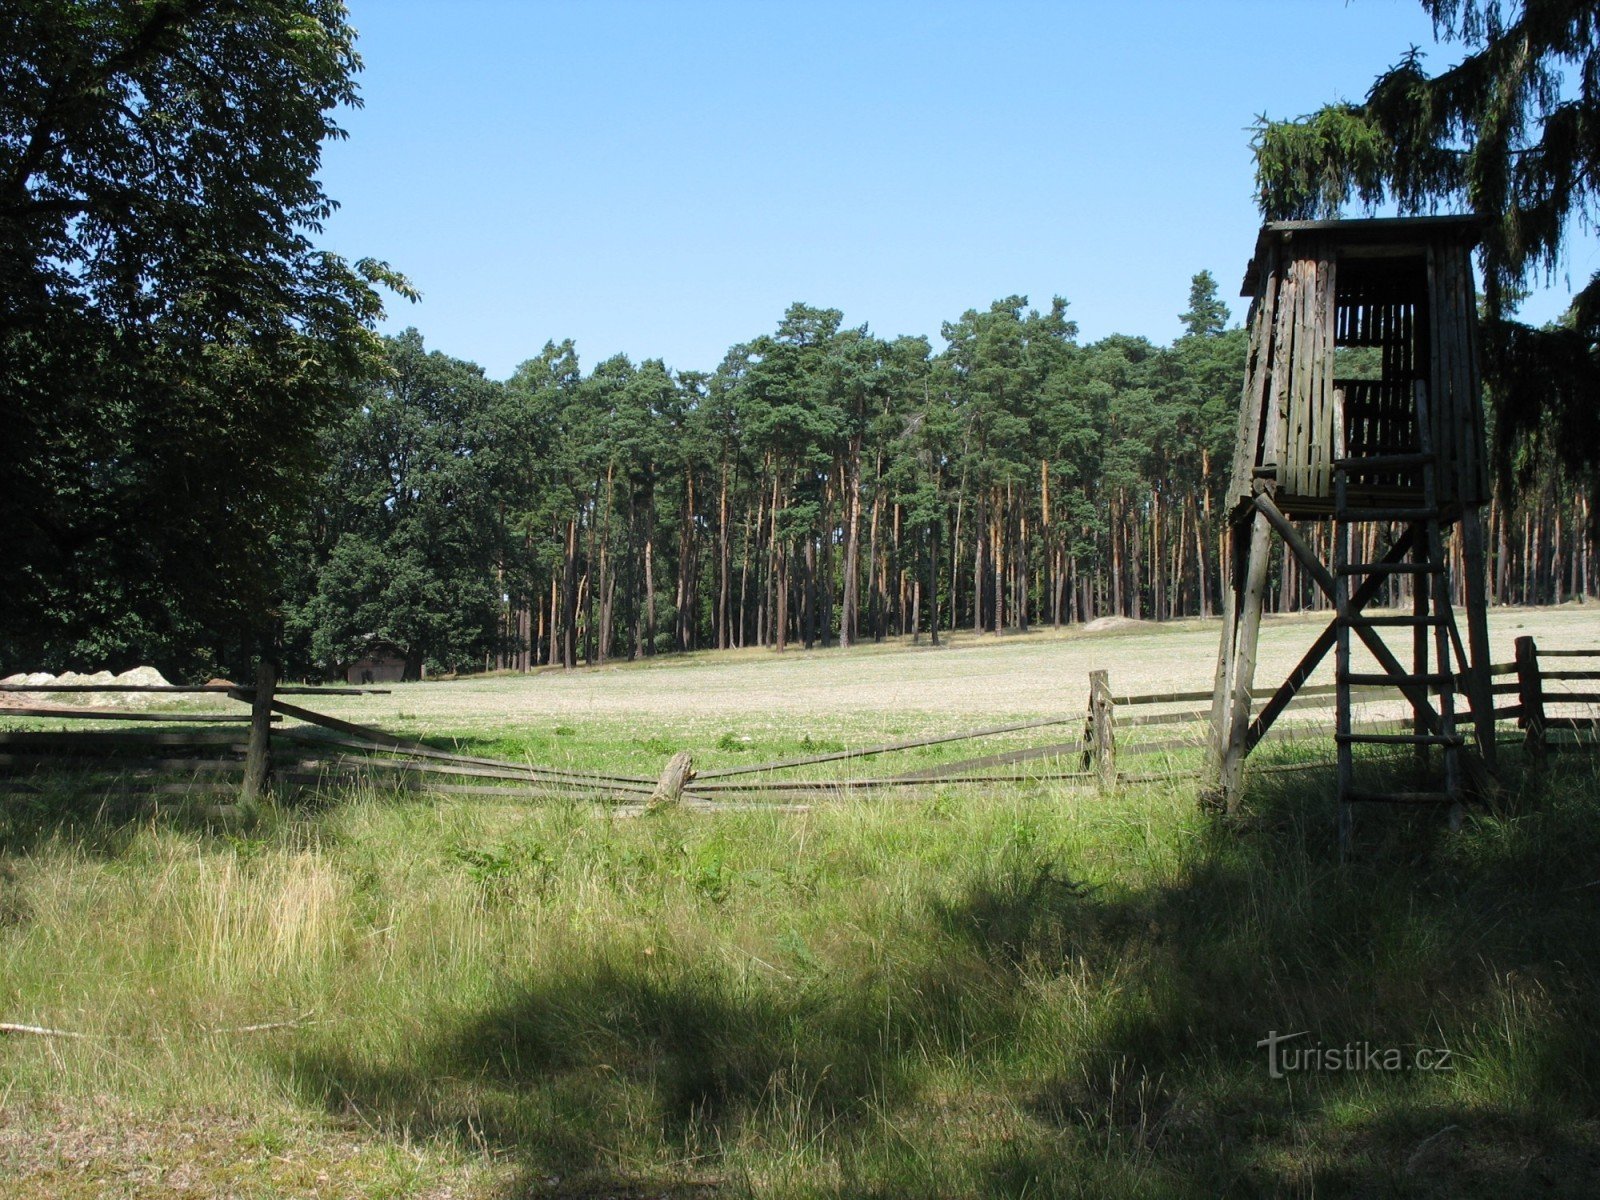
(256, 746)
(239, 751)
(1542, 711)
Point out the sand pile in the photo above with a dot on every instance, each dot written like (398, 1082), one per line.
(137, 676)
(1106, 624)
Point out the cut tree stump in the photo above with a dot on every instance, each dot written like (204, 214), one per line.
(674, 778)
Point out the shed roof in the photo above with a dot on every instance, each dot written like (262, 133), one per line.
(1379, 233)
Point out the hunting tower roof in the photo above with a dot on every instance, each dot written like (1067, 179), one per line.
(1373, 237)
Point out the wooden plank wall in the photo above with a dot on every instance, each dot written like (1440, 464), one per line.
(1288, 417)
(1305, 468)
(1252, 403)
(1457, 405)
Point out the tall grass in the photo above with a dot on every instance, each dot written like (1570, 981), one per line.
(1003, 993)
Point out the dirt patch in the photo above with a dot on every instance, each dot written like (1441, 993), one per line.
(1106, 624)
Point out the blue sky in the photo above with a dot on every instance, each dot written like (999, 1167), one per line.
(663, 179)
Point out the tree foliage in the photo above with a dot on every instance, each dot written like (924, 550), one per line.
(171, 342)
(1511, 131)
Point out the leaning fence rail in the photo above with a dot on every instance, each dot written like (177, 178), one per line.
(297, 747)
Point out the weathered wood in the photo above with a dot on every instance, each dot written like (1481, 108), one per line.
(111, 714)
(1211, 794)
(886, 748)
(318, 739)
(675, 776)
(1249, 632)
(195, 788)
(1004, 758)
(119, 739)
(12, 1027)
(258, 758)
(1419, 648)
(1102, 713)
(384, 767)
(1163, 698)
(1474, 562)
(1530, 694)
(1258, 371)
(1256, 693)
(892, 781)
(533, 788)
(122, 768)
(1342, 612)
(180, 689)
(1313, 657)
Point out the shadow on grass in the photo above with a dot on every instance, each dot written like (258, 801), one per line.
(1110, 1035)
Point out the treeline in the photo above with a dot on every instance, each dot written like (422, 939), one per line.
(822, 486)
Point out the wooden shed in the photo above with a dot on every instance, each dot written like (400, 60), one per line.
(380, 662)
(1362, 406)
(1350, 322)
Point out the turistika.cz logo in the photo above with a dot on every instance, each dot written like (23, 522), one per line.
(1287, 1056)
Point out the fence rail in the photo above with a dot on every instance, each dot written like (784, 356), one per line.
(258, 745)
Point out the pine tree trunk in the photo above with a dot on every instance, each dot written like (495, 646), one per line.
(980, 543)
(852, 548)
(724, 630)
(569, 604)
(1116, 559)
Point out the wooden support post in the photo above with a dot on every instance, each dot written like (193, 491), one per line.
(1474, 563)
(1419, 644)
(675, 776)
(258, 757)
(1530, 690)
(1221, 693)
(1102, 720)
(1246, 633)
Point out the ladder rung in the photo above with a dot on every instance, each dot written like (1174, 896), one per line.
(1397, 568)
(1386, 514)
(1364, 680)
(1411, 622)
(1381, 462)
(1400, 739)
(1398, 798)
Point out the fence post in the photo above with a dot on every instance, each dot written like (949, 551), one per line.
(1102, 727)
(1530, 690)
(258, 757)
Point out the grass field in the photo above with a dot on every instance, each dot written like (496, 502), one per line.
(982, 991)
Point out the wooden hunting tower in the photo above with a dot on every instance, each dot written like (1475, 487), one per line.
(1361, 404)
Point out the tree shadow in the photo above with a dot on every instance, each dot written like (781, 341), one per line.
(1479, 943)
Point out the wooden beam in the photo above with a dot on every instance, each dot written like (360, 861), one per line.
(867, 751)
(112, 714)
(1319, 649)
(1248, 633)
(1475, 564)
(119, 739)
(421, 751)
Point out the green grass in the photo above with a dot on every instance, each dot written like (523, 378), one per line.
(1015, 991)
